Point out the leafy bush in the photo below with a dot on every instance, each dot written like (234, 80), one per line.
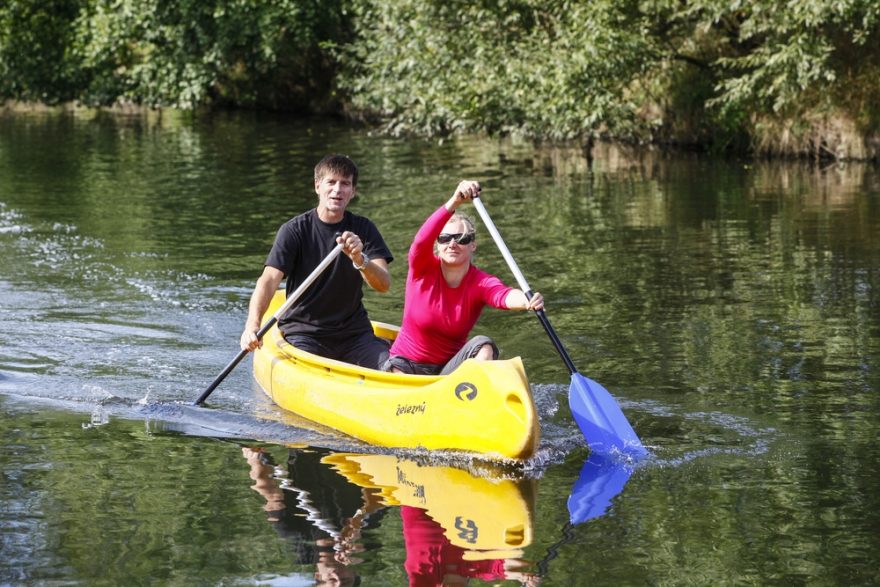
(703, 71)
(184, 53)
(568, 68)
(36, 37)
(552, 69)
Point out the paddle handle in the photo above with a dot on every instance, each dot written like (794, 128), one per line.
(523, 284)
(291, 299)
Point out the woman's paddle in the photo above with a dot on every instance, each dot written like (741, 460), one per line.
(271, 321)
(594, 409)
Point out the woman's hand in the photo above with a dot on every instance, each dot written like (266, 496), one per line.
(536, 303)
(467, 190)
(516, 300)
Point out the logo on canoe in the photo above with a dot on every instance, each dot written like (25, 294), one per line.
(467, 529)
(411, 408)
(466, 391)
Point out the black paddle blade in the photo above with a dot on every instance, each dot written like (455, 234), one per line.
(601, 420)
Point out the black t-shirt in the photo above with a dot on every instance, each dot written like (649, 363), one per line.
(332, 306)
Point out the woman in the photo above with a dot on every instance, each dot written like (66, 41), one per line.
(445, 294)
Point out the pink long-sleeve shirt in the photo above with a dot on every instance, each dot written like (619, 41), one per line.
(437, 318)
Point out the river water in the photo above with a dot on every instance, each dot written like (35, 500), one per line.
(731, 307)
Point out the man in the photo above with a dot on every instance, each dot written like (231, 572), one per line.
(329, 319)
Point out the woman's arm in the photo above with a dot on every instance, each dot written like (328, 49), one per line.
(516, 300)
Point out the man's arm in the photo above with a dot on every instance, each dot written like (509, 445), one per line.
(375, 273)
(263, 292)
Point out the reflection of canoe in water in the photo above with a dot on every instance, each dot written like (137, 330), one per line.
(483, 407)
(489, 518)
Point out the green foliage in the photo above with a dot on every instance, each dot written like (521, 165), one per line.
(705, 70)
(540, 68)
(184, 54)
(786, 56)
(568, 68)
(188, 53)
(35, 42)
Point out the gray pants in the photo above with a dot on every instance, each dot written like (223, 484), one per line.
(468, 351)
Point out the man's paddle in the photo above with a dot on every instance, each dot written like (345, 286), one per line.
(271, 321)
(594, 409)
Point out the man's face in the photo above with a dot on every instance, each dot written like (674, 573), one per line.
(334, 192)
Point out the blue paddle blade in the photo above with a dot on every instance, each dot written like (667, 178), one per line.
(601, 420)
(601, 479)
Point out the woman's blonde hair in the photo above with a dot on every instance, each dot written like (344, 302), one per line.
(467, 220)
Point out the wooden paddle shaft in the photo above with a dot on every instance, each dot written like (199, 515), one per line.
(505, 252)
(523, 284)
(291, 299)
(594, 409)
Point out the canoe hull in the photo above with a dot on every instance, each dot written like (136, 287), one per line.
(483, 407)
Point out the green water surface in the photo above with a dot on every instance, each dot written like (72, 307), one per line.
(732, 307)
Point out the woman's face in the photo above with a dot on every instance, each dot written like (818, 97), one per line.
(453, 252)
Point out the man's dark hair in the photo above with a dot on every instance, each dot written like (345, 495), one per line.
(341, 164)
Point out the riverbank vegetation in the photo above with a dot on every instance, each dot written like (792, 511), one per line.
(765, 77)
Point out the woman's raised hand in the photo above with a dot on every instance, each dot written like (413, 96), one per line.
(467, 190)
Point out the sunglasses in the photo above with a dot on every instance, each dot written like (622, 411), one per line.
(462, 238)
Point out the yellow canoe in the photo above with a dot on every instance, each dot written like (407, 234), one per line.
(484, 407)
(487, 517)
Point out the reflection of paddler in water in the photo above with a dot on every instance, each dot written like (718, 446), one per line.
(432, 560)
(455, 526)
(318, 513)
